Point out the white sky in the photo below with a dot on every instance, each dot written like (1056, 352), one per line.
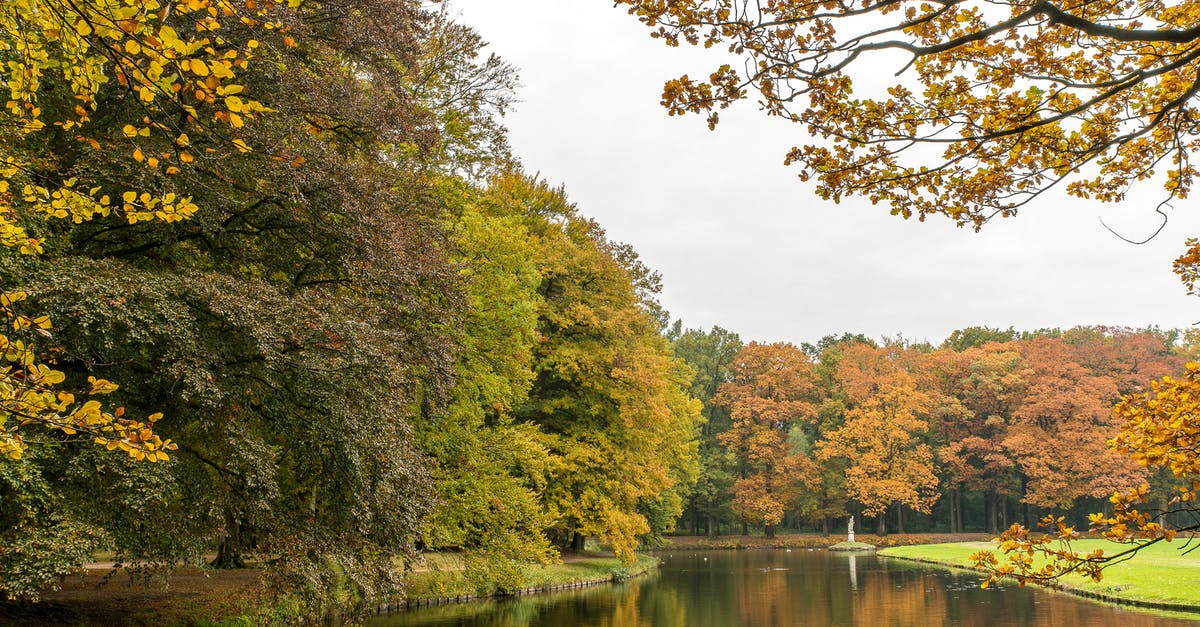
(743, 244)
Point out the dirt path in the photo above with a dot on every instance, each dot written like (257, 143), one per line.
(96, 598)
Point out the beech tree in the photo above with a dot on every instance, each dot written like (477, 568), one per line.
(881, 440)
(608, 397)
(990, 385)
(60, 62)
(710, 354)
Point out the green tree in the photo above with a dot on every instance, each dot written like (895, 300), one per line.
(608, 396)
(710, 355)
(488, 469)
(292, 331)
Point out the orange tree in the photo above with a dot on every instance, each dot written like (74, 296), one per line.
(993, 104)
(771, 392)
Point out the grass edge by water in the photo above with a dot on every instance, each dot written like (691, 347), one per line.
(1127, 595)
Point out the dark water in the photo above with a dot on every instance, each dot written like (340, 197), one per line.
(777, 588)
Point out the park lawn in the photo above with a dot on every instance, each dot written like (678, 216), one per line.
(1159, 574)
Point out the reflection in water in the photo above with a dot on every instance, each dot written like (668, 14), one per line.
(777, 588)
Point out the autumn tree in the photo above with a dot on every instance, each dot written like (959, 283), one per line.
(990, 382)
(1060, 431)
(64, 63)
(771, 391)
(881, 439)
(608, 398)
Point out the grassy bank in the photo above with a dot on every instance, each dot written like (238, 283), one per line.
(814, 541)
(1160, 576)
(445, 579)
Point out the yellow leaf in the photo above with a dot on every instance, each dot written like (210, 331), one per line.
(198, 67)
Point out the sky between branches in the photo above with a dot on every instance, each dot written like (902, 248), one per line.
(743, 244)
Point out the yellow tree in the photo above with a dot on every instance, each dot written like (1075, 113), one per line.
(58, 59)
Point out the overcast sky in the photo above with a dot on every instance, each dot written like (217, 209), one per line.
(743, 244)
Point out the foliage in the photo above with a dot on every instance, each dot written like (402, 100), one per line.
(37, 544)
(1158, 432)
(771, 389)
(886, 465)
(488, 470)
(1010, 99)
(710, 354)
(976, 437)
(65, 65)
(608, 397)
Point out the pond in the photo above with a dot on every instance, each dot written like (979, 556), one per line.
(777, 588)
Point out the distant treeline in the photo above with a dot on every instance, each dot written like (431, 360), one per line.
(991, 428)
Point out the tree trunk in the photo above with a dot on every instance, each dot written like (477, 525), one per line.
(882, 523)
(713, 530)
(229, 551)
(745, 528)
(825, 525)
(899, 518)
(955, 515)
(990, 511)
(958, 494)
(1025, 504)
(578, 542)
(769, 530)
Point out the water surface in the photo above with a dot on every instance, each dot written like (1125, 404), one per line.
(771, 588)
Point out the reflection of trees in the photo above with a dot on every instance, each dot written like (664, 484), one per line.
(887, 597)
(666, 606)
(732, 589)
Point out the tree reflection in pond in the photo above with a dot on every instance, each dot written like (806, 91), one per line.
(785, 588)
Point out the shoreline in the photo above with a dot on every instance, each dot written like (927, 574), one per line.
(640, 568)
(233, 597)
(1192, 610)
(811, 541)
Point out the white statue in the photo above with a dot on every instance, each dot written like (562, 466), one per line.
(850, 529)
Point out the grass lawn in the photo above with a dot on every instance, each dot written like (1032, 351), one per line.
(1160, 574)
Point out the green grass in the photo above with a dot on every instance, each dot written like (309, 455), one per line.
(1159, 574)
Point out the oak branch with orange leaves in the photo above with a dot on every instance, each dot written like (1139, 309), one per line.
(992, 103)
